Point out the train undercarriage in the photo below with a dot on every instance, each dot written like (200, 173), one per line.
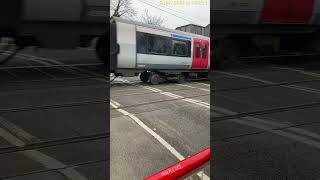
(155, 77)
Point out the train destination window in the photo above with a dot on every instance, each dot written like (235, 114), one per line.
(204, 51)
(197, 50)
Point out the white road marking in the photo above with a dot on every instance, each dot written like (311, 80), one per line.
(35, 155)
(115, 103)
(185, 85)
(48, 61)
(43, 63)
(288, 135)
(154, 134)
(17, 131)
(193, 101)
(14, 134)
(245, 77)
(295, 87)
(152, 89)
(272, 127)
(299, 71)
(175, 96)
(202, 84)
(307, 89)
(203, 89)
(197, 102)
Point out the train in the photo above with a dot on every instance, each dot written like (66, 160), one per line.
(56, 24)
(156, 53)
(252, 28)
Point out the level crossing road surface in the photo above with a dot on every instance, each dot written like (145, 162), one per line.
(265, 121)
(53, 116)
(155, 126)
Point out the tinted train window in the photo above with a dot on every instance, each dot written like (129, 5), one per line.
(162, 45)
(141, 43)
(181, 48)
(197, 50)
(158, 44)
(204, 51)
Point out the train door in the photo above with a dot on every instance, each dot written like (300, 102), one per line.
(200, 54)
(196, 61)
(204, 54)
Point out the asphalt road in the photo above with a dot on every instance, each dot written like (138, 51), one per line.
(265, 122)
(54, 120)
(153, 127)
(53, 116)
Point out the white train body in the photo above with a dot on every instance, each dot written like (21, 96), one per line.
(143, 47)
(53, 23)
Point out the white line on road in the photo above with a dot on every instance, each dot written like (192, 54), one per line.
(193, 101)
(185, 85)
(175, 96)
(13, 135)
(152, 133)
(245, 77)
(295, 87)
(49, 61)
(299, 71)
(274, 127)
(203, 84)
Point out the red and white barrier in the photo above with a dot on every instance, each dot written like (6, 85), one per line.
(184, 168)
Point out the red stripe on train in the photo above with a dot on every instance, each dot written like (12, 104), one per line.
(287, 11)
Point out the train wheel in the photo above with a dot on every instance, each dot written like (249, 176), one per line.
(181, 78)
(144, 77)
(155, 79)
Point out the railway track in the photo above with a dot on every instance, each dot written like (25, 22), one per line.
(52, 106)
(55, 142)
(45, 130)
(73, 69)
(73, 166)
(265, 112)
(266, 85)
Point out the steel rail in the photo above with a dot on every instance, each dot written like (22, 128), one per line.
(52, 106)
(55, 143)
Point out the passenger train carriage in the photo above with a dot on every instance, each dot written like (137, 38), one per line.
(156, 53)
(55, 24)
(249, 28)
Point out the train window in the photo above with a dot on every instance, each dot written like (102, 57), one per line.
(179, 48)
(162, 45)
(204, 51)
(158, 45)
(141, 43)
(197, 50)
